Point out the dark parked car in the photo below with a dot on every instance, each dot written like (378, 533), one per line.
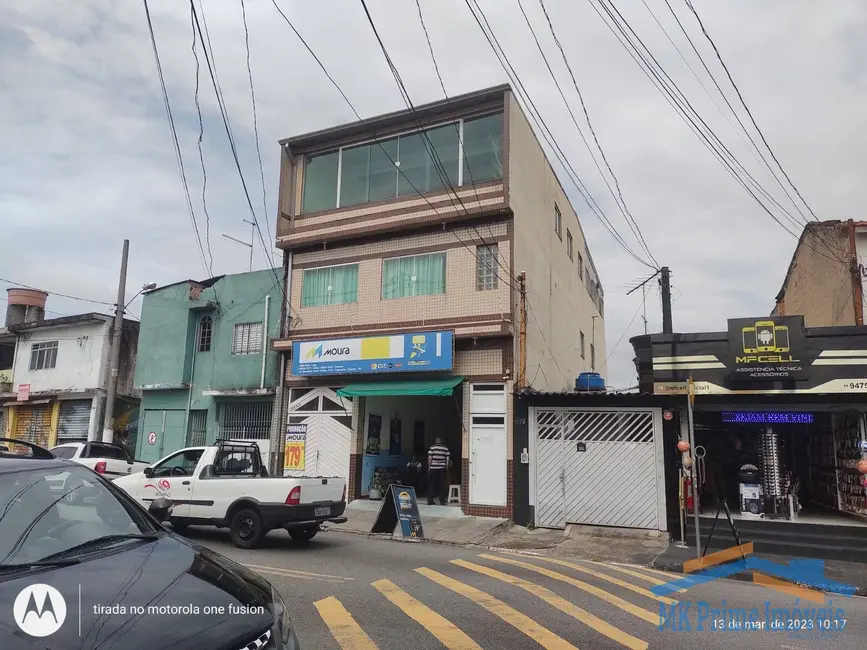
(104, 573)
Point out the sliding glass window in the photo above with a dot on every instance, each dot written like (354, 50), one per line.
(405, 165)
(329, 285)
(418, 275)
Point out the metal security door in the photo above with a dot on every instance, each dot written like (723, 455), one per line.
(74, 420)
(33, 424)
(601, 468)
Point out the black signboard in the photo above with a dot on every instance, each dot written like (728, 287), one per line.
(399, 506)
(768, 349)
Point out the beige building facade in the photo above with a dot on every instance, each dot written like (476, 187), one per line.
(824, 281)
(446, 223)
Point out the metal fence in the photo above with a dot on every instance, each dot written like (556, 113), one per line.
(250, 420)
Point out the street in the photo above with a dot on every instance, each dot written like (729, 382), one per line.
(350, 591)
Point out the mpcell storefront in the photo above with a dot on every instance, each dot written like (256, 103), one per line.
(369, 408)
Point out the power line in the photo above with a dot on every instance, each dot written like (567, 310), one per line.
(255, 122)
(56, 293)
(675, 97)
(621, 203)
(201, 155)
(625, 331)
(747, 108)
(178, 155)
(545, 131)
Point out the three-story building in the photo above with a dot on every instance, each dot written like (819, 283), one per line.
(433, 263)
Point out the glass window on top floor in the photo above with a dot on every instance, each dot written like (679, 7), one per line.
(405, 165)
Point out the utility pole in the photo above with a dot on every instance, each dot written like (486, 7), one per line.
(111, 389)
(522, 333)
(665, 287)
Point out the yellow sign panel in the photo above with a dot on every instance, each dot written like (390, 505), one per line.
(293, 457)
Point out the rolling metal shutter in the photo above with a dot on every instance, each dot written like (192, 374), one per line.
(74, 420)
(33, 424)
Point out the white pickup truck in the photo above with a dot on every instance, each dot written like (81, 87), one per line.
(226, 485)
(112, 461)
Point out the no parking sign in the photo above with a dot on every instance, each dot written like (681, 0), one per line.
(152, 438)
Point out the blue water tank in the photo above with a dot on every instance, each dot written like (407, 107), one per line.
(589, 381)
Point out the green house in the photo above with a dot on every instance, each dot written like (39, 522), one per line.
(205, 366)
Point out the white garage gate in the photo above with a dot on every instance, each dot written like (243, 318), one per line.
(600, 467)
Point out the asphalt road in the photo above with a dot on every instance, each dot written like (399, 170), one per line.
(349, 591)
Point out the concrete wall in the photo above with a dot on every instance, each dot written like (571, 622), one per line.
(861, 258)
(819, 283)
(559, 301)
(81, 351)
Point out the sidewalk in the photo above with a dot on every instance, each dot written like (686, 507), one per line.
(445, 524)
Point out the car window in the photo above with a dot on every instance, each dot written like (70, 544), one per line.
(181, 464)
(106, 451)
(237, 461)
(64, 452)
(49, 511)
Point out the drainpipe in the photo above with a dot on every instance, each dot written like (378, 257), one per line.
(265, 343)
(190, 391)
(277, 416)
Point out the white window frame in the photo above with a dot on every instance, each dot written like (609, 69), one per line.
(583, 346)
(328, 266)
(558, 222)
(401, 257)
(570, 245)
(247, 350)
(44, 349)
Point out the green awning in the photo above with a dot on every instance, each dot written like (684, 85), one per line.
(441, 387)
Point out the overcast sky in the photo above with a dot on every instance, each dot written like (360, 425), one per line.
(87, 159)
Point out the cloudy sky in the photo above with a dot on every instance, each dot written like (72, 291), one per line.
(87, 159)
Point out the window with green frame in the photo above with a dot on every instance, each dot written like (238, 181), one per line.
(329, 285)
(418, 275)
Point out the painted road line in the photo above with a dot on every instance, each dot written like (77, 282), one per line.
(668, 575)
(607, 578)
(444, 630)
(634, 573)
(625, 605)
(295, 573)
(342, 626)
(521, 622)
(594, 622)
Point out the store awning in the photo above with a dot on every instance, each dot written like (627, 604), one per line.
(441, 387)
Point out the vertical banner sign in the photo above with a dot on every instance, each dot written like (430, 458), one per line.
(296, 440)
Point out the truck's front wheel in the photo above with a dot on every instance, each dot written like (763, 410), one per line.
(246, 529)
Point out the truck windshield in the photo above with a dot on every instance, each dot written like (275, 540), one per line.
(44, 512)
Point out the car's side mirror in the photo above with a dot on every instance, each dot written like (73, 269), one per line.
(160, 509)
(148, 471)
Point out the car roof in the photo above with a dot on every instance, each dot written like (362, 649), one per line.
(10, 463)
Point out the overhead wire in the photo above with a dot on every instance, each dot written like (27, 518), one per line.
(675, 97)
(177, 147)
(625, 331)
(747, 108)
(256, 123)
(56, 293)
(546, 133)
(619, 200)
(201, 154)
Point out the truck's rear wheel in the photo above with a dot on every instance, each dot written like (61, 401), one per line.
(247, 529)
(303, 534)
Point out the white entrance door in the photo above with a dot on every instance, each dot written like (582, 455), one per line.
(329, 430)
(488, 460)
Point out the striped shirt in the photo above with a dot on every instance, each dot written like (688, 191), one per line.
(438, 457)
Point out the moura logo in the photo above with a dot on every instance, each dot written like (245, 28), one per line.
(39, 610)
(335, 351)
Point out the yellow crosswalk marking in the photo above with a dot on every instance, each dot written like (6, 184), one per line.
(635, 574)
(343, 627)
(542, 635)
(608, 578)
(664, 574)
(625, 605)
(444, 630)
(562, 604)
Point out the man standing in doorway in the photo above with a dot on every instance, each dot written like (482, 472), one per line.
(438, 460)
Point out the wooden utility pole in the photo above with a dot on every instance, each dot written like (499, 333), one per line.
(522, 331)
